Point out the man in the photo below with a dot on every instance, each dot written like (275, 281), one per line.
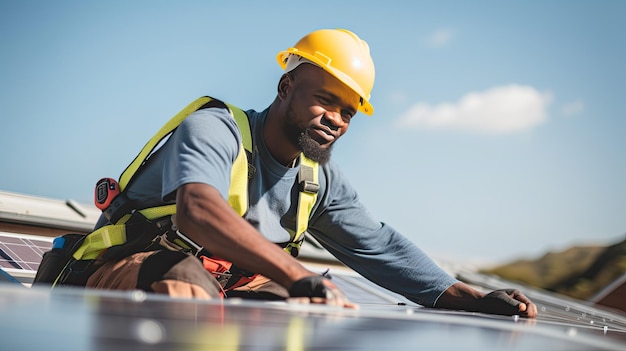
(328, 77)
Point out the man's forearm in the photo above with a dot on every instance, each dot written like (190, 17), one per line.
(207, 219)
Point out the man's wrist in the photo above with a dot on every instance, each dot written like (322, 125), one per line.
(459, 296)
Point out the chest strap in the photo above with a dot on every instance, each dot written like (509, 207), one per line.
(308, 185)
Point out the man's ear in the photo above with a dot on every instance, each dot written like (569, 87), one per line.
(284, 84)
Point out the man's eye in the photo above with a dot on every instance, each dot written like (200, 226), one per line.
(323, 100)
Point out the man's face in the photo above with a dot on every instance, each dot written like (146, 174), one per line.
(319, 110)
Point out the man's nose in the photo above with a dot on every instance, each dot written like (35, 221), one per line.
(335, 119)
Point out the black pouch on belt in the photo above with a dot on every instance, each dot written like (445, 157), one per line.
(53, 261)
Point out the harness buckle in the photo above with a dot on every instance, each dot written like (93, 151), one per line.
(118, 207)
(174, 239)
(309, 187)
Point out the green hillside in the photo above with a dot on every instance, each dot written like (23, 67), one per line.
(579, 271)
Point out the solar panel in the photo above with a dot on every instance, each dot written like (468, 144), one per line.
(561, 310)
(386, 320)
(100, 320)
(83, 319)
(362, 291)
(22, 253)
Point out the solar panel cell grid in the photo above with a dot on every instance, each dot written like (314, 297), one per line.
(21, 252)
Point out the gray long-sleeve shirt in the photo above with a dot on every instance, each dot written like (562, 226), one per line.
(203, 149)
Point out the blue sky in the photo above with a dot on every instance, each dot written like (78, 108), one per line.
(498, 130)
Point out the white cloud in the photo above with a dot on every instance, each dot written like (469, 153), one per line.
(499, 110)
(439, 38)
(573, 108)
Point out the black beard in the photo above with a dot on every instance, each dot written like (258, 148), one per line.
(313, 150)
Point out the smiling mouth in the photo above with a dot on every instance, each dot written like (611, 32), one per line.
(321, 135)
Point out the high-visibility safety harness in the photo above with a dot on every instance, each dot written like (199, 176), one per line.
(124, 215)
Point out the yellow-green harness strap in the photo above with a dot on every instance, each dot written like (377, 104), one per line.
(238, 191)
(115, 234)
(99, 240)
(167, 128)
(244, 126)
(309, 186)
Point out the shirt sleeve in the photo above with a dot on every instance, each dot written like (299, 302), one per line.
(201, 150)
(373, 249)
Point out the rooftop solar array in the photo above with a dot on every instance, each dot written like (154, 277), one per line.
(78, 319)
(84, 319)
(136, 320)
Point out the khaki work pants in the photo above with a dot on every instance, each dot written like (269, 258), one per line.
(176, 274)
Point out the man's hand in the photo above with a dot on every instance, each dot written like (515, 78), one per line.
(506, 302)
(318, 289)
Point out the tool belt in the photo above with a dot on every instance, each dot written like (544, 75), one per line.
(59, 266)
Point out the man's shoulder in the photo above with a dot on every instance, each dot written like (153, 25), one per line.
(210, 112)
(218, 114)
(209, 119)
(208, 126)
(331, 173)
(330, 167)
(256, 117)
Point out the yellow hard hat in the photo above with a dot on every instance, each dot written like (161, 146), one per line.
(342, 54)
